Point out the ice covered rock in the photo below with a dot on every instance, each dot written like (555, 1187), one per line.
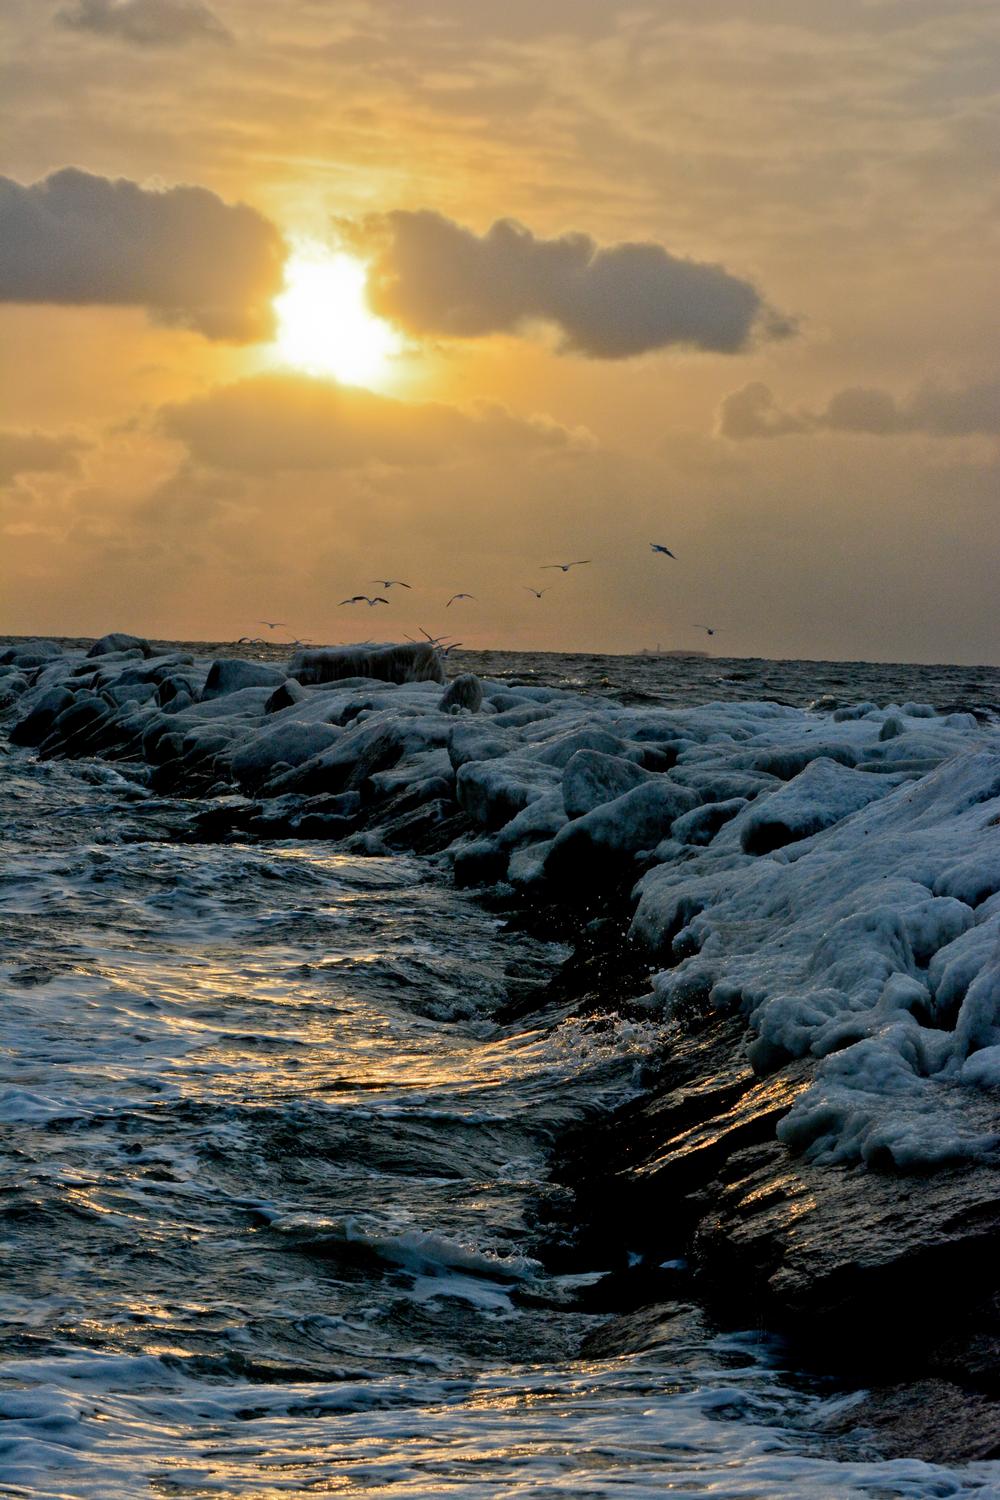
(559, 749)
(492, 792)
(468, 742)
(284, 695)
(702, 824)
(119, 641)
(819, 796)
(599, 845)
(464, 693)
(592, 778)
(389, 663)
(289, 744)
(229, 674)
(855, 944)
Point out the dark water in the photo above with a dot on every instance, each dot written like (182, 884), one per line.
(271, 1174)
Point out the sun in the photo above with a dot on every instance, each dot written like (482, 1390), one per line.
(325, 326)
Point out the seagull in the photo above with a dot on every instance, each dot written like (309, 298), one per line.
(566, 566)
(658, 547)
(364, 599)
(458, 596)
(387, 583)
(708, 629)
(250, 640)
(273, 624)
(537, 592)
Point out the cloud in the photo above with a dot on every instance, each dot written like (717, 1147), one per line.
(190, 259)
(433, 276)
(286, 422)
(145, 23)
(935, 410)
(37, 452)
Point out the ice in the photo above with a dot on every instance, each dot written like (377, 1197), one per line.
(389, 663)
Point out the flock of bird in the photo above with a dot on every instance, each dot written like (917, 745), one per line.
(390, 583)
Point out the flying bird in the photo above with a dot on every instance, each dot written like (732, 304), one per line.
(566, 566)
(273, 624)
(537, 592)
(459, 596)
(708, 629)
(364, 599)
(658, 547)
(387, 583)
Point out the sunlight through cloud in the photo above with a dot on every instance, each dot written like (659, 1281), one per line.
(325, 326)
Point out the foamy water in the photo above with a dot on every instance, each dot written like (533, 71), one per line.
(272, 1180)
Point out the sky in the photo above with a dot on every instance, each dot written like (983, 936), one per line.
(717, 274)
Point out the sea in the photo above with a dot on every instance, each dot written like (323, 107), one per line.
(276, 1185)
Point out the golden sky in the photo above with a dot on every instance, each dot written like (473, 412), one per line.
(719, 274)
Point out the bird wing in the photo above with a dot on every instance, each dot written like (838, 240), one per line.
(378, 600)
(354, 599)
(579, 564)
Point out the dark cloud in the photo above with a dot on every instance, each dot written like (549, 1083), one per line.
(145, 23)
(286, 422)
(181, 253)
(37, 453)
(433, 276)
(936, 410)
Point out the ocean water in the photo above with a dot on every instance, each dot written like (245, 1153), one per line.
(272, 1174)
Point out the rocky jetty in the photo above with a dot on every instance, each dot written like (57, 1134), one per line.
(808, 900)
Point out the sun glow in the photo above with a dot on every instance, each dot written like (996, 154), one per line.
(325, 326)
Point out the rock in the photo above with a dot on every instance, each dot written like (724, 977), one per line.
(119, 641)
(463, 693)
(599, 846)
(285, 694)
(405, 663)
(592, 778)
(290, 744)
(702, 824)
(494, 791)
(482, 862)
(816, 798)
(30, 653)
(229, 675)
(468, 742)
